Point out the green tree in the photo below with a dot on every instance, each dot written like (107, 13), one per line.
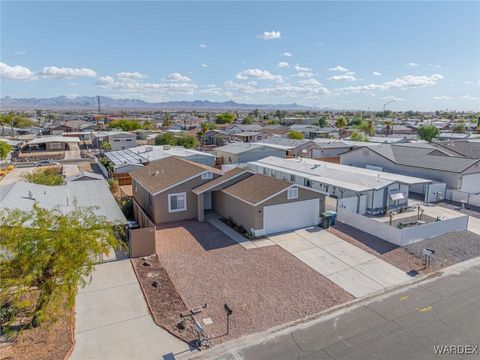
(5, 149)
(105, 145)
(187, 141)
(45, 256)
(204, 127)
(167, 121)
(226, 118)
(296, 135)
(165, 139)
(147, 125)
(368, 127)
(247, 120)
(125, 125)
(341, 124)
(428, 132)
(49, 176)
(388, 126)
(323, 121)
(272, 122)
(459, 127)
(358, 136)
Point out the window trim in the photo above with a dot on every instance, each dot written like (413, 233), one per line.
(295, 191)
(207, 175)
(170, 210)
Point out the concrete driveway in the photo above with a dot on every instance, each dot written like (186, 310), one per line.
(355, 270)
(113, 321)
(16, 175)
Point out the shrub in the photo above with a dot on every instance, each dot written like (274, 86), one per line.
(49, 176)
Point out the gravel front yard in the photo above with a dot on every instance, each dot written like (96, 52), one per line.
(449, 249)
(386, 251)
(264, 286)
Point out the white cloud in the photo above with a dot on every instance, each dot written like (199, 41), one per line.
(131, 75)
(376, 73)
(282, 64)
(300, 68)
(66, 72)
(16, 72)
(105, 81)
(338, 68)
(287, 54)
(441, 98)
(259, 75)
(204, 65)
(412, 64)
(345, 77)
(203, 46)
(270, 35)
(392, 98)
(469, 97)
(177, 77)
(405, 82)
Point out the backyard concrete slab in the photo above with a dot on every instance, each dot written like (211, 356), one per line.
(348, 253)
(321, 261)
(113, 322)
(474, 225)
(355, 282)
(382, 272)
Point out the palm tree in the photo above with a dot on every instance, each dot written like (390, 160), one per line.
(388, 126)
(341, 124)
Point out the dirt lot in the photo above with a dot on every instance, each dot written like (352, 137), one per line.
(264, 286)
(45, 343)
(386, 251)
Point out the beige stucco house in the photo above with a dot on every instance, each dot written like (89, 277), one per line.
(173, 189)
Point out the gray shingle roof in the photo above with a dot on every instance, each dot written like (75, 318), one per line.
(420, 156)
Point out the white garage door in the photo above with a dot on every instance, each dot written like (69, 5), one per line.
(290, 216)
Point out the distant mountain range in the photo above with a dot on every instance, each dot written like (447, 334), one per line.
(90, 103)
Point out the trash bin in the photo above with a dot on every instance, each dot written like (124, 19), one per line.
(333, 217)
(325, 220)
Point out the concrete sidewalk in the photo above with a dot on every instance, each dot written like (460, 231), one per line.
(353, 269)
(113, 322)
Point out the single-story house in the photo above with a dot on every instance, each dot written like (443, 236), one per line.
(85, 192)
(240, 152)
(362, 191)
(172, 189)
(118, 140)
(248, 136)
(428, 161)
(51, 143)
(291, 147)
(239, 128)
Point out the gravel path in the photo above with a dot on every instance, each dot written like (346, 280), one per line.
(264, 286)
(449, 249)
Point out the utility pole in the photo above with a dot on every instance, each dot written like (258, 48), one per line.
(98, 104)
(388, 102)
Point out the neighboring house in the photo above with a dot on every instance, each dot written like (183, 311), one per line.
(162, 190)
(51, 143)
(215, 137)
(240, 152)
(291, 147)
(239, 128)
(388, 139)
(467, 148)
(428, 161)
(85, 192)
(330, 149)
(449, 135)
(119, 140)
(308, 131)
(358, 190)
(248, 136)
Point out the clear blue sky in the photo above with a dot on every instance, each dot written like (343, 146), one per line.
(357, 55)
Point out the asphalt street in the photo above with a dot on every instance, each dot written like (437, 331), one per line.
(408, 324)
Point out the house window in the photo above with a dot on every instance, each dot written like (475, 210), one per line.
(207, 175)
(177, 202)
(307, 182)
(292, 178)
(292, 193)
(116, 140)
(264, 171)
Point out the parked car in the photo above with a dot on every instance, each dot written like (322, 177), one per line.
(46, 163)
